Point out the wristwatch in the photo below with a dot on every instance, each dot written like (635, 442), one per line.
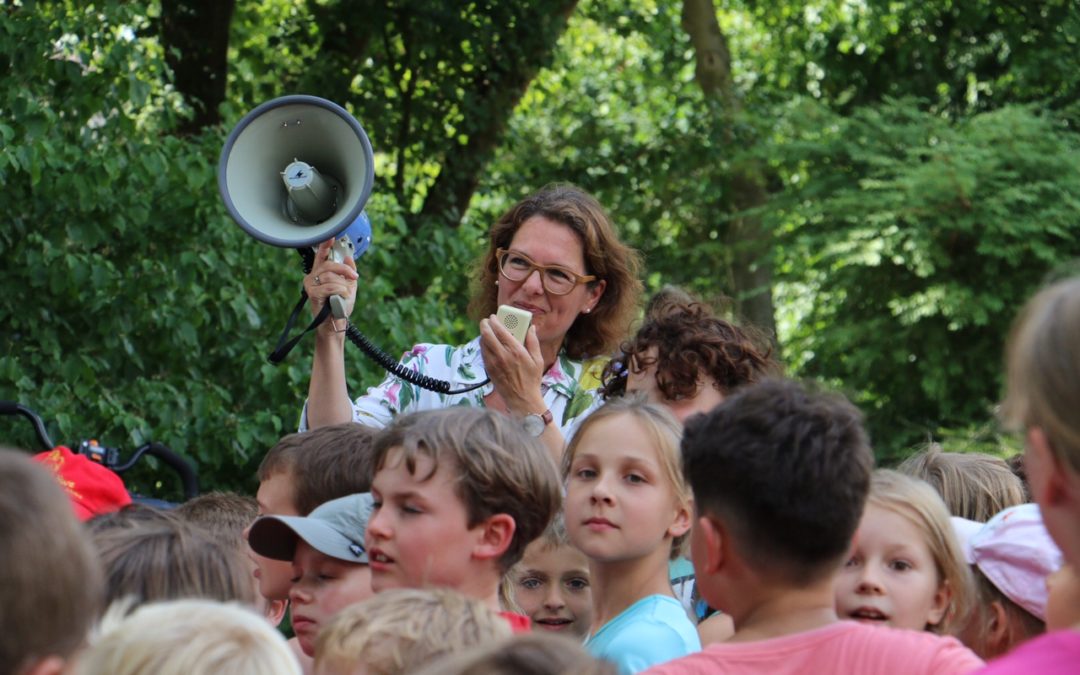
(534, 424)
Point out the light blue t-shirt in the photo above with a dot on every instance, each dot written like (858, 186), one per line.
(653, 630)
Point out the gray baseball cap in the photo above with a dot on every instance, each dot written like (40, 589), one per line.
(335, 528)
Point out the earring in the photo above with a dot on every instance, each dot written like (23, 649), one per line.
(496, 282)
(588, 309)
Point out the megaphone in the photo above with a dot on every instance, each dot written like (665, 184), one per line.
(296, 171)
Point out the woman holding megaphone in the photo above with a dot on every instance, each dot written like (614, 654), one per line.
(554, 255)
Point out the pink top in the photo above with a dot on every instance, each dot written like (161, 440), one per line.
(1050, 654)
(843, 647)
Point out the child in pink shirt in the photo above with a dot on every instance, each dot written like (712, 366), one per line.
(780, 476)
(1043, 395)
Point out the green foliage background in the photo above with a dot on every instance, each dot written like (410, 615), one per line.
(922, 164)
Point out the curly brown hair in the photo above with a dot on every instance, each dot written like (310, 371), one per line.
(606, 257)
(690, 341)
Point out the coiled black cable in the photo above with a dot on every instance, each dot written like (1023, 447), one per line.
(384, 360)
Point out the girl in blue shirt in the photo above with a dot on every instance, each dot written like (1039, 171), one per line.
(628, 510)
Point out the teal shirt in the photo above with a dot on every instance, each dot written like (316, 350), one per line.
(653, 630)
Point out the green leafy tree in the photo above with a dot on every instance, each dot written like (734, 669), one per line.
(138, 311)
(910, 242)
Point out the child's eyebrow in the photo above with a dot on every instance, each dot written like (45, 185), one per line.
(642, 463)
(406, 494)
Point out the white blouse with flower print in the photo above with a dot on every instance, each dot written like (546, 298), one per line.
(571, 388)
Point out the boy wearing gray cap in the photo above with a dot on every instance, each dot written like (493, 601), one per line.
(329, 561)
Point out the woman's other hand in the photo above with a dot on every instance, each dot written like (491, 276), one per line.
(331, 278)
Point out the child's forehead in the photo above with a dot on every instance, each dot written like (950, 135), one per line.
(622, 438)
(884, 527)
(277, 494)
(542, 553)
(414, 470)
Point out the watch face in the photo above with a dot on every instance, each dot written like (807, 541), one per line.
(533, 425)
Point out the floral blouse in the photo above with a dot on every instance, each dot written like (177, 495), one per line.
(571, 388)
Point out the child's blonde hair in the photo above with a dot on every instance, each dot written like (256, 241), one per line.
(1043, 369)
(188, 637)
(401, 629)
(915, 500)
(666, 434)
(530, 654)
(973, 485)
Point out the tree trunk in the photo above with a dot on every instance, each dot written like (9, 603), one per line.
(449, 196)
(749, 243)
(195, 34)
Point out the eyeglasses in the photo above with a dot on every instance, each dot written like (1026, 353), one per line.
(556, 279)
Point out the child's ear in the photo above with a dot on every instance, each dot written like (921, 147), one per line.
(998, 632)
(275, 611)
(495, 536)
(50, 665)
(714, 547)
(942, 600)
(1047, 479)
(681, 524)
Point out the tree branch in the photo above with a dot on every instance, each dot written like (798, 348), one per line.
(195, 34)
(748, 243)
(450, 193)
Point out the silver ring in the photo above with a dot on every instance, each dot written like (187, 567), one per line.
(317, 282)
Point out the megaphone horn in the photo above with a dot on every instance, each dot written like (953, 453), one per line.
(296, 171)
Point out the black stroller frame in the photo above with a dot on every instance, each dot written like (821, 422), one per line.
(110, 457)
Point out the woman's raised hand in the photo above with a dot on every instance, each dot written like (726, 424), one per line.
(330, 278)
(516, 370)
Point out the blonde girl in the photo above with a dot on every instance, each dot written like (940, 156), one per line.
(628, 510)
(906, 569)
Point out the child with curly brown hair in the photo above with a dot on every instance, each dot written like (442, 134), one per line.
(686, 358)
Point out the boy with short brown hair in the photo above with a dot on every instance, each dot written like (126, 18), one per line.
(780, 475)
(52, 584)
(459, 493)
(305, 470)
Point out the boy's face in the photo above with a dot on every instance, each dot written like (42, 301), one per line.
(275, 498)
(418, 533)
(643, 380)
(551, 585)
(321, 587)
(891, 577)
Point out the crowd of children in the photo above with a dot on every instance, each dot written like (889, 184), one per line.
(450, 542)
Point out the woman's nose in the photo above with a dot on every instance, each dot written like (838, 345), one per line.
(534, 283)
